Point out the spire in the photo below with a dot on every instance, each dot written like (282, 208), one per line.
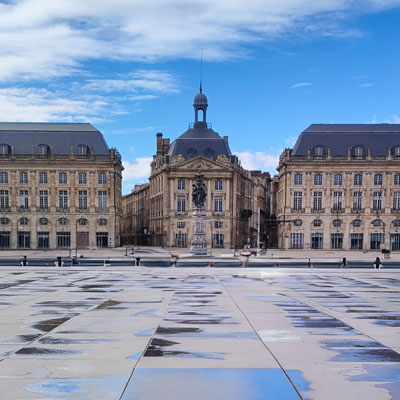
(201, 71)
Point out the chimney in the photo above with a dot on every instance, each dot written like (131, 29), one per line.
(226, 139)
(159, 143)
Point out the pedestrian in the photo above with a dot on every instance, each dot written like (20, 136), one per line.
(343, 263)
(377, 263)
(309, 263)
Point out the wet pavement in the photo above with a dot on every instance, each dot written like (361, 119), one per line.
(210, 333)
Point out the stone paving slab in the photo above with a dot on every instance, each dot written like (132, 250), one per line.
(237, 334)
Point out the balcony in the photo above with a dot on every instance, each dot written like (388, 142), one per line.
(395, 210)
(358, 210)
(5, 209)
(337, 210)
(218, 213)
(101, 210)
(23, 209)
(62, 209)
(297, 210)
(316, 210)
(181, 213)
(44, 209)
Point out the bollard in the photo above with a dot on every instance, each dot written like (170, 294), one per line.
(137, 261)
(24, 261)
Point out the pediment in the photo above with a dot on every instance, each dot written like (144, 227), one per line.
(199, 163)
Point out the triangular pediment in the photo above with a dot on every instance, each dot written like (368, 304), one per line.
(198, 163)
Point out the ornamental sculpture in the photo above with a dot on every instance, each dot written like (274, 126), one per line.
(199, 193)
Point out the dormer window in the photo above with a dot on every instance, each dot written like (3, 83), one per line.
(396, 151)
(83, 150)
(44, 149)
(5, 149)
(318, 151)
(358, 151)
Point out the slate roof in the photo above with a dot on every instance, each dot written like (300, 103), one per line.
(199, 140)
(339, 137)
(59, 136)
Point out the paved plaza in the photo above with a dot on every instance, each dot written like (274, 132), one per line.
(199, 333)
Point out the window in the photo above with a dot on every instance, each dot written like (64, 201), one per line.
(396, 223)
(83, 150)
(356, 223)
(358, 179)
(356, 241)
(317, 179)
(180, 224)
(297, 222)
(4, 149)
(82, 199)
(357, 200)
(316, 240)
(4, 199)
(297, 200)
(43, 177)
(3, 177)
(397, 179)
(376, 240)
(24, 240)
(181, 184)
(317, 201)
(377, 200)
(318, 151)
(336, 240)
(296, 240)
(23, 221)
(218, 184)
(23, 177)
(82, 221)
(338, 179)
(337, 223)
(378, 179)
(218, 204)
(102, 178)
(337, 200)
(102, 222)
(63, 239)
(43, 239)
(317, 222)
(376, 222)
(358, 151)
(43, 199)
(298, 179)
(395, 242)
(102, 198)
(396, 151)
(62, 177)
(218, 240)
(102, 239)
(396, 201)
(63, 199)
(44, 150)
(218, 224)
(62, 221)
(181, 204)
(43, 221)
(4, 221)
(82, 178)
(180, 239)
(5, 240)
(23, 199)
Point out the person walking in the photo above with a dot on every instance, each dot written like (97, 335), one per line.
(378, 263)
(343, 263)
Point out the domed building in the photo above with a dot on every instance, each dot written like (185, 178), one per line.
(234, 195)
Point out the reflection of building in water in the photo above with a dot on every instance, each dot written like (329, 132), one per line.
(339, 188)
(60, 187)
(233, 193)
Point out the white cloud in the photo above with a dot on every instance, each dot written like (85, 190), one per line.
(258, 161)
(290, 141)
(139, 169)
(46, 38)
(300, 84)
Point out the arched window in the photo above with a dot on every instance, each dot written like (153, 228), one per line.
(44, 149)
(82, 178)
(3, 177)
(5, 149)
(102, 222)
(338, 180)
(83, 150)
(297, 222)
(358, 151)
(298, 179)
(43, 221)
(337, 222)
(62, 221)
(396, 223)
(318, 179)
(318, 151)
(317, 222)
(378, 179)
(4, 221)
(357, 223)
(43, 177)
(358, 179)
(82, 221)
(376, 222)
(23, 221)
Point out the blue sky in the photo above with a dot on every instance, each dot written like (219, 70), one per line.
(132, 67)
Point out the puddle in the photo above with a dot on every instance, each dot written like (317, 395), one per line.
(53, 340)
(213, 384)
(33, 351)
(107, 304)
(50, 324)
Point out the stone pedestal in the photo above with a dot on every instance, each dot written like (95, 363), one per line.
(199, 245)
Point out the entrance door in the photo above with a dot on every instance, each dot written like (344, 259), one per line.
(83, 240)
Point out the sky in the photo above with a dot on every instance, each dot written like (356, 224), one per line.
(131, 68)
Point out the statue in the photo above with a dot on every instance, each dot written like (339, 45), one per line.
(199, 192)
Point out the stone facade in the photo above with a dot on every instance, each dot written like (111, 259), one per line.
(338, 194)
(52, 198)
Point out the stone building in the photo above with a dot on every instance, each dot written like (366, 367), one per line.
(234, 195)
(339, 188)
(60, 187)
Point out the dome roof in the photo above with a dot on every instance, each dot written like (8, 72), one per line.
(200, 99)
